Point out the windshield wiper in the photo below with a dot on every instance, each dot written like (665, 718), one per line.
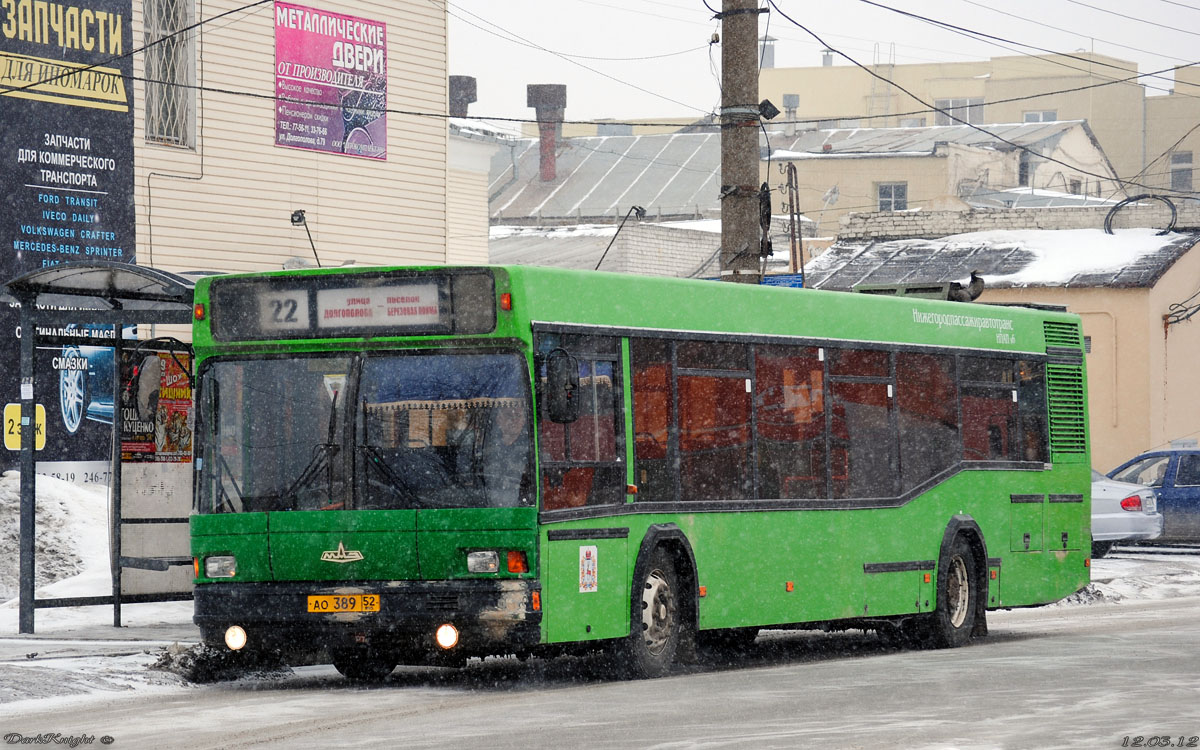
(394, 480)
(322, 457)
(223, 497)
(320, 461)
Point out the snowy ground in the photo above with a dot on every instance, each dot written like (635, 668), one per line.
(77, 653)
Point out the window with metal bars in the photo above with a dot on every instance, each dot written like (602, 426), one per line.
(170, 76)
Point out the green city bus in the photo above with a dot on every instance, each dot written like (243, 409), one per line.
(420, 465)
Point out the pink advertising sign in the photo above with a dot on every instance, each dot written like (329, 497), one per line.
(331, 82)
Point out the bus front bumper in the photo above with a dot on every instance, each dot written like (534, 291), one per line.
(491, 616)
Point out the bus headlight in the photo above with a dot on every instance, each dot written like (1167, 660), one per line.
(220, 566)
(487, 561)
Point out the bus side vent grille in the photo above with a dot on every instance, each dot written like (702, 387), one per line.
(1068, 415)
(1061, 334)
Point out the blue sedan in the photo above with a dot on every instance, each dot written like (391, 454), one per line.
(1175, 476)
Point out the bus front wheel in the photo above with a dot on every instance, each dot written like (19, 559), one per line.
(957, 597)
(656, 626)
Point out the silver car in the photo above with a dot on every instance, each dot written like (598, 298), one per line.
(1122, 511)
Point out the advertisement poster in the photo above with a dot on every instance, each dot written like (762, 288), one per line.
(156, 407)
(331, 81)
(66, 194)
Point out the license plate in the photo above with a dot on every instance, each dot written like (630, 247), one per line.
(1151, 504)
(344, 603)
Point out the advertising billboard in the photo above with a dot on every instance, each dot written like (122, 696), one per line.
(331, 82)
(66, 194)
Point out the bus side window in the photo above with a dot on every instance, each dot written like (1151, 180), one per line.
(989, 409)
(927, 404)
(653, 375)
(582, 460)
(790, 413)
(715, 441)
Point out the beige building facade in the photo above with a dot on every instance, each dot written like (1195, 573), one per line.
(1137, 122)
(845, 171)
(213, 191)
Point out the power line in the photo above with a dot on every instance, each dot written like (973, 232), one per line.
(950, 114)
(1134, 18)
(445, 5)
(160, 40)
(997, 39)
(1181, 5)
(1071, 32)
(1010, 100)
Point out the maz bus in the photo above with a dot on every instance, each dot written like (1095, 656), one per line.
(411, 464)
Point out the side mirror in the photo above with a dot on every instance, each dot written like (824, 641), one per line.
(562, 386)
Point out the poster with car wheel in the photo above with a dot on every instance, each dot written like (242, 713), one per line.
(156, 407)
(330, 82)
(66, 195)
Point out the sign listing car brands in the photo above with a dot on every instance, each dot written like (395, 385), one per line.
(66, 190)
(331, 82)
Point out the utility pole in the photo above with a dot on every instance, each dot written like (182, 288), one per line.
(740, 228)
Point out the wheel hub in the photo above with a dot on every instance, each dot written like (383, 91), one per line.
(658, 612)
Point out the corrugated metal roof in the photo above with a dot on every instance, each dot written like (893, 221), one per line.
(678, 175)
(561, 248)
(670, 175)
(1031, 258)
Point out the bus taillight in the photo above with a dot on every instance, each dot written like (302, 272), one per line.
(506, 301)
(198, 311)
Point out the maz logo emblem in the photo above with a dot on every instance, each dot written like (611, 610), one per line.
(341, 555)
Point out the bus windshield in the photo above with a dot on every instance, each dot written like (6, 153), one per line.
(383, 432)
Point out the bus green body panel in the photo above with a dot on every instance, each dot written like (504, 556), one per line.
(755, 567)
(573, 611)
(243, 536)
(745, 561)
(370, 545)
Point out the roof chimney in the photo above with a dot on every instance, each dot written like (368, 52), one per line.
(791, 103)
(766, 51)
(462, 94)
(549, 101)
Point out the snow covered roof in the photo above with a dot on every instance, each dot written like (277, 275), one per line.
(678, 175)
(878, 142)
(1030, 197)
(1028, 258)
(562, 247)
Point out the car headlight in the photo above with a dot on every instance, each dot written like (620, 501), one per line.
(220, 566)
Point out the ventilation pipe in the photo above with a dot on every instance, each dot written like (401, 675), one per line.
(549, 101)
(791, 105)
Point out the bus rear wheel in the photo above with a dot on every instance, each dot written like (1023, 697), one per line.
(363, 664)
(957, 597)
(656, 626)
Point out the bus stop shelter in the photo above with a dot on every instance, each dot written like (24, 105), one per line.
(96, 293)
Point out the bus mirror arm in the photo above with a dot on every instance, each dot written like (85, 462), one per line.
(562, 386)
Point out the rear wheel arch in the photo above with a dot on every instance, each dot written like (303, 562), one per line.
(964, 526)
